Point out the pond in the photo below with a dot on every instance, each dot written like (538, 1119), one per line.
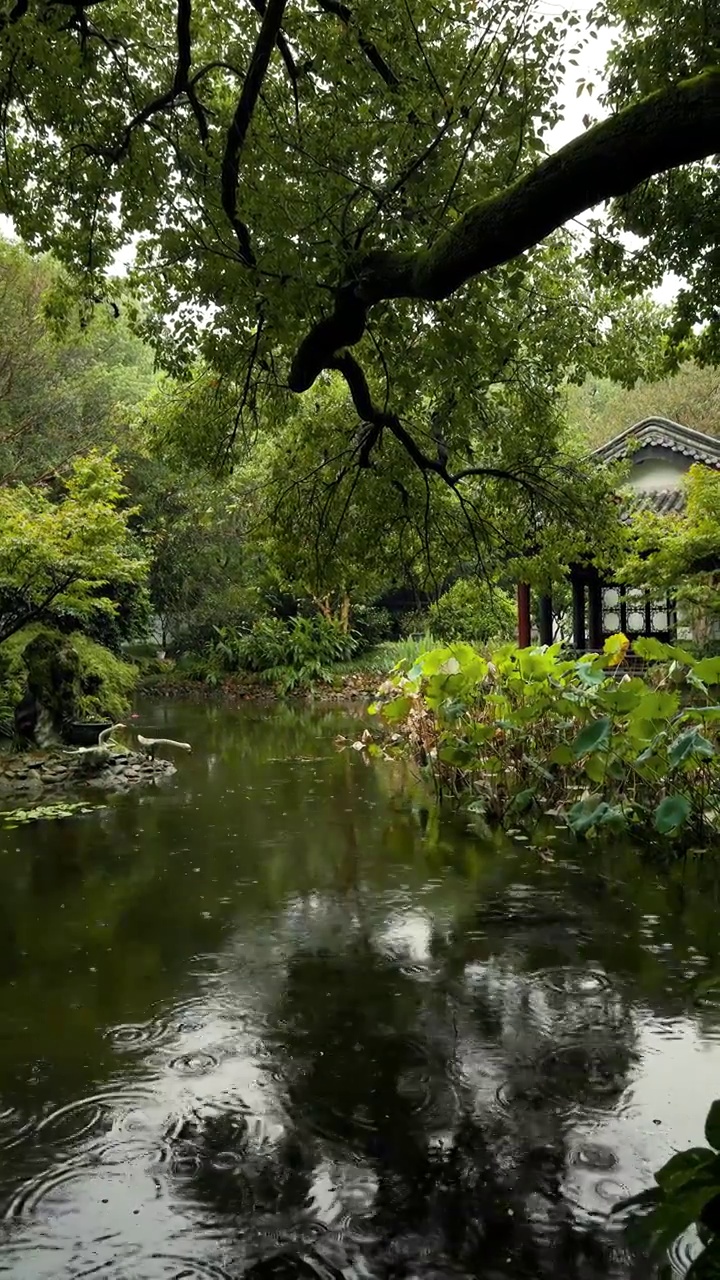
(277, 1017)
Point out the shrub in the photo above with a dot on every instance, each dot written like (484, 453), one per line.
(414, 623)
(106, 682)
(408, 651)
(287, 652)
(372, 625)
(265, 646)
(472, 610)
(531, 731)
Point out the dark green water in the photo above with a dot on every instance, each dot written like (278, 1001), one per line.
(273, 1019)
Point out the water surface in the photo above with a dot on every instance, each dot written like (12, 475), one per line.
(278, 1018)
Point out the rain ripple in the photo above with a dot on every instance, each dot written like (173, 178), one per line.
(75, 1119)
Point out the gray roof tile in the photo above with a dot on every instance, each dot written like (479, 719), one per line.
(664, 502)
(670, 435)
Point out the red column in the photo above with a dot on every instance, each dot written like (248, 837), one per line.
(523, 614)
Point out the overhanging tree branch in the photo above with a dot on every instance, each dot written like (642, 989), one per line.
(284, 49)
(182, 84)
(664, 131)
(371, 51)
(237, 133)
(378, 420)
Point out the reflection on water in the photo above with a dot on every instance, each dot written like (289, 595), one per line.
(275, 1018)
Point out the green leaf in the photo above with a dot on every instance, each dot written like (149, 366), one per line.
(688, 744)
(590, 675)
(593, 737)
(710, 1215)
(656, 651)
(706, 713)
(522, 801)
(397, 710)
(562, 754)
(671, 814)
(625, 696)
(611, 816)
(477, 806)
(591, 814)
(595, 767)
(656, 704)
(684, 1167)
(712, 1125)
(708, 670)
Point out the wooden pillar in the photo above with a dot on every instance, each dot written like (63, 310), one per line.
(595, 636)
(578, 595)
(545, 619)
(523, 615)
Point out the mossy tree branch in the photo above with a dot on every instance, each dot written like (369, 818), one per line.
(664, 131)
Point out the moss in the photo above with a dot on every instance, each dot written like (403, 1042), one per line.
(105, 682)
(53, 675)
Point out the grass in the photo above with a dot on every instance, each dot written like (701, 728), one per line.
(384, 657)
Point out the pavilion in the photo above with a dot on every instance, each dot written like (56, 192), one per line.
(661, 452)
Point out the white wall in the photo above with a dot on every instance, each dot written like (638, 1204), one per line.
(658, 473)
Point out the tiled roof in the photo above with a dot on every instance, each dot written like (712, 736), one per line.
(665, 502)
(695, 445)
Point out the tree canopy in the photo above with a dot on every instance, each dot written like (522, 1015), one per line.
(601, 409)
(61, 555)
(311, 186)
(66, 386)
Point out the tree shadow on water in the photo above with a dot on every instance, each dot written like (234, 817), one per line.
(389, 1165)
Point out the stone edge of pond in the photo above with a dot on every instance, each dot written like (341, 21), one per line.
(35, 773)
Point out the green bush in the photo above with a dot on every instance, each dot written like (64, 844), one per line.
(106, 682)
(265, 646)
(414, 623)
(686, 1195)
(372, 625)
(393, 652)
(287, 652)
(473, 610)
(530, 731)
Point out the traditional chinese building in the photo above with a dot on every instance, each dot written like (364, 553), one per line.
(660, 453)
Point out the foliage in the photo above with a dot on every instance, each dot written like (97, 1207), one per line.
(342, 533)
(385, 657)
(338, 535)
(373, 625)
(407, 651)
(686, 1194)
(65, 387)
(129, 619)
(670, 218)
(204, 571)
(292, 653)
(320, 178)
(59, 555)
(530, 730)
(472, 610)
(106, 682)
(600, 409)
(679, 554)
